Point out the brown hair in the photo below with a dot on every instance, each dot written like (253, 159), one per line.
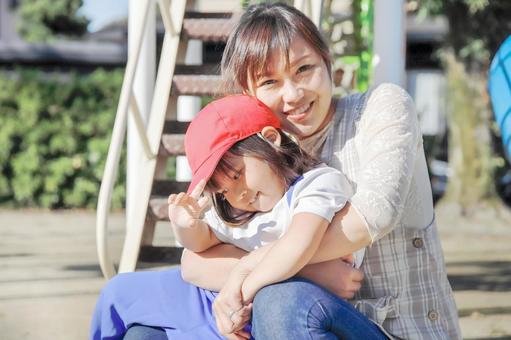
(262, 29)
(287, 160)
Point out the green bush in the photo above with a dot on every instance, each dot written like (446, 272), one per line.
(54, 137)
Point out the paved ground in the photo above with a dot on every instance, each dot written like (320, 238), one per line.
(49, 277)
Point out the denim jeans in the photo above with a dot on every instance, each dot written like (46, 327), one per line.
(298, 309)
(139, 332)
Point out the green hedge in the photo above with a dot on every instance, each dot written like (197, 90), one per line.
(54, 136)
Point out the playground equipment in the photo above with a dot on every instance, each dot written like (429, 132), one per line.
(499, 87)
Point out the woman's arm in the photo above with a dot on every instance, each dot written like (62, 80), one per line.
(388, 141)
(210, 269)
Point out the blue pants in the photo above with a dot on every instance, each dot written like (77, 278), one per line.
(298, 309)
(295, 309)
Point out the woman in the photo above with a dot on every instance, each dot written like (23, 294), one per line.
(375, 140)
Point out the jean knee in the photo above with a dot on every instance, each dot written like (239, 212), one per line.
(139, 332)
(280, 298)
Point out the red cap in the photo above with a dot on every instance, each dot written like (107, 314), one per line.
(218, 126)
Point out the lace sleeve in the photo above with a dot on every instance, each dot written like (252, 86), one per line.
(387, 142)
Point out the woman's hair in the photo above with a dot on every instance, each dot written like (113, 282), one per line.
(287, 160)
(263, 29)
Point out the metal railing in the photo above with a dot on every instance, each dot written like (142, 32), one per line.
(172, 15)
(127, 100)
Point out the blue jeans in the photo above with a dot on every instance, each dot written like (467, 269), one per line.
(139, 332)
(298, 309)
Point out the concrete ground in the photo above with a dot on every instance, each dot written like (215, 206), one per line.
(49, 276)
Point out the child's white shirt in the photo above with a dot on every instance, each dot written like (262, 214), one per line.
(322, 191)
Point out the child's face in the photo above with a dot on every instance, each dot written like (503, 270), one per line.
(299, 93)
(253, 186)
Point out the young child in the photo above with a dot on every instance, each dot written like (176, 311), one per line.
(247, 166)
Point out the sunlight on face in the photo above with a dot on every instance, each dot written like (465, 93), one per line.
(252, 186)
(300, 94)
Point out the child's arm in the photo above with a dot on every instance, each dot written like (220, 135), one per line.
(287, 255)
(185, 214)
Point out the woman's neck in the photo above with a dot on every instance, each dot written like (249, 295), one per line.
(314, 143)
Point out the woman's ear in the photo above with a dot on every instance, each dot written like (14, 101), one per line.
(271, 134)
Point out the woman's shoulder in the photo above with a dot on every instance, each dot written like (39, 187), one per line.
(382, 95)
(387, 102)
(387, 93)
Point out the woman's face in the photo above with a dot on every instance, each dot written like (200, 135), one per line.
(299, 93)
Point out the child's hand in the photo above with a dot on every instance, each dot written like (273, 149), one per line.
(185, 210)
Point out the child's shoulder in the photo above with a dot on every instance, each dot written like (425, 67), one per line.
(323, 176)
(321, 170)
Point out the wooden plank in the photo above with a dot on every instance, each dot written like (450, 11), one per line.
(204, 69)
(209, 29)
(207, 15)
(164, 187)
(172, 145)
(196, 85)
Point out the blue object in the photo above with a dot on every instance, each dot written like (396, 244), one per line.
(499, 87)
(300, 310)
(162, 300)
(157, 299)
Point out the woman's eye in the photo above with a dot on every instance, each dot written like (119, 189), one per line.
(266, 82)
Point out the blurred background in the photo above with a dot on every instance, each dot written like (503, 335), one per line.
(62, 65)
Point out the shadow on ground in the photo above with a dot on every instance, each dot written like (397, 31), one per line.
(494, 276)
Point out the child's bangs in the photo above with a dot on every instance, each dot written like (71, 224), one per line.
(224, 169)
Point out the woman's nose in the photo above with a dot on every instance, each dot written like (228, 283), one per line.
(292, 92)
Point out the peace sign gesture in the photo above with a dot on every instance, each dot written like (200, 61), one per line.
(185, 210)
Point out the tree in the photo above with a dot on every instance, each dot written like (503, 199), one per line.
(43, 20)
(476, 29)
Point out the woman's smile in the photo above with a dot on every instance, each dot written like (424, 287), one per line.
(300, 113)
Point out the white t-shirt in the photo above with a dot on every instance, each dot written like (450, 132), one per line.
(322, 191)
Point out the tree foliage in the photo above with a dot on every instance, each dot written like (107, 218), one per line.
(476, 30)
(43, 20)
(55, 132)
(476, 27)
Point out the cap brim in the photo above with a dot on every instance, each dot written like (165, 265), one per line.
(205, 171)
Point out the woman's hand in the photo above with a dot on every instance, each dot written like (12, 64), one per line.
(230, 313)
(239, 335)
(186, 210)
(338, 276)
